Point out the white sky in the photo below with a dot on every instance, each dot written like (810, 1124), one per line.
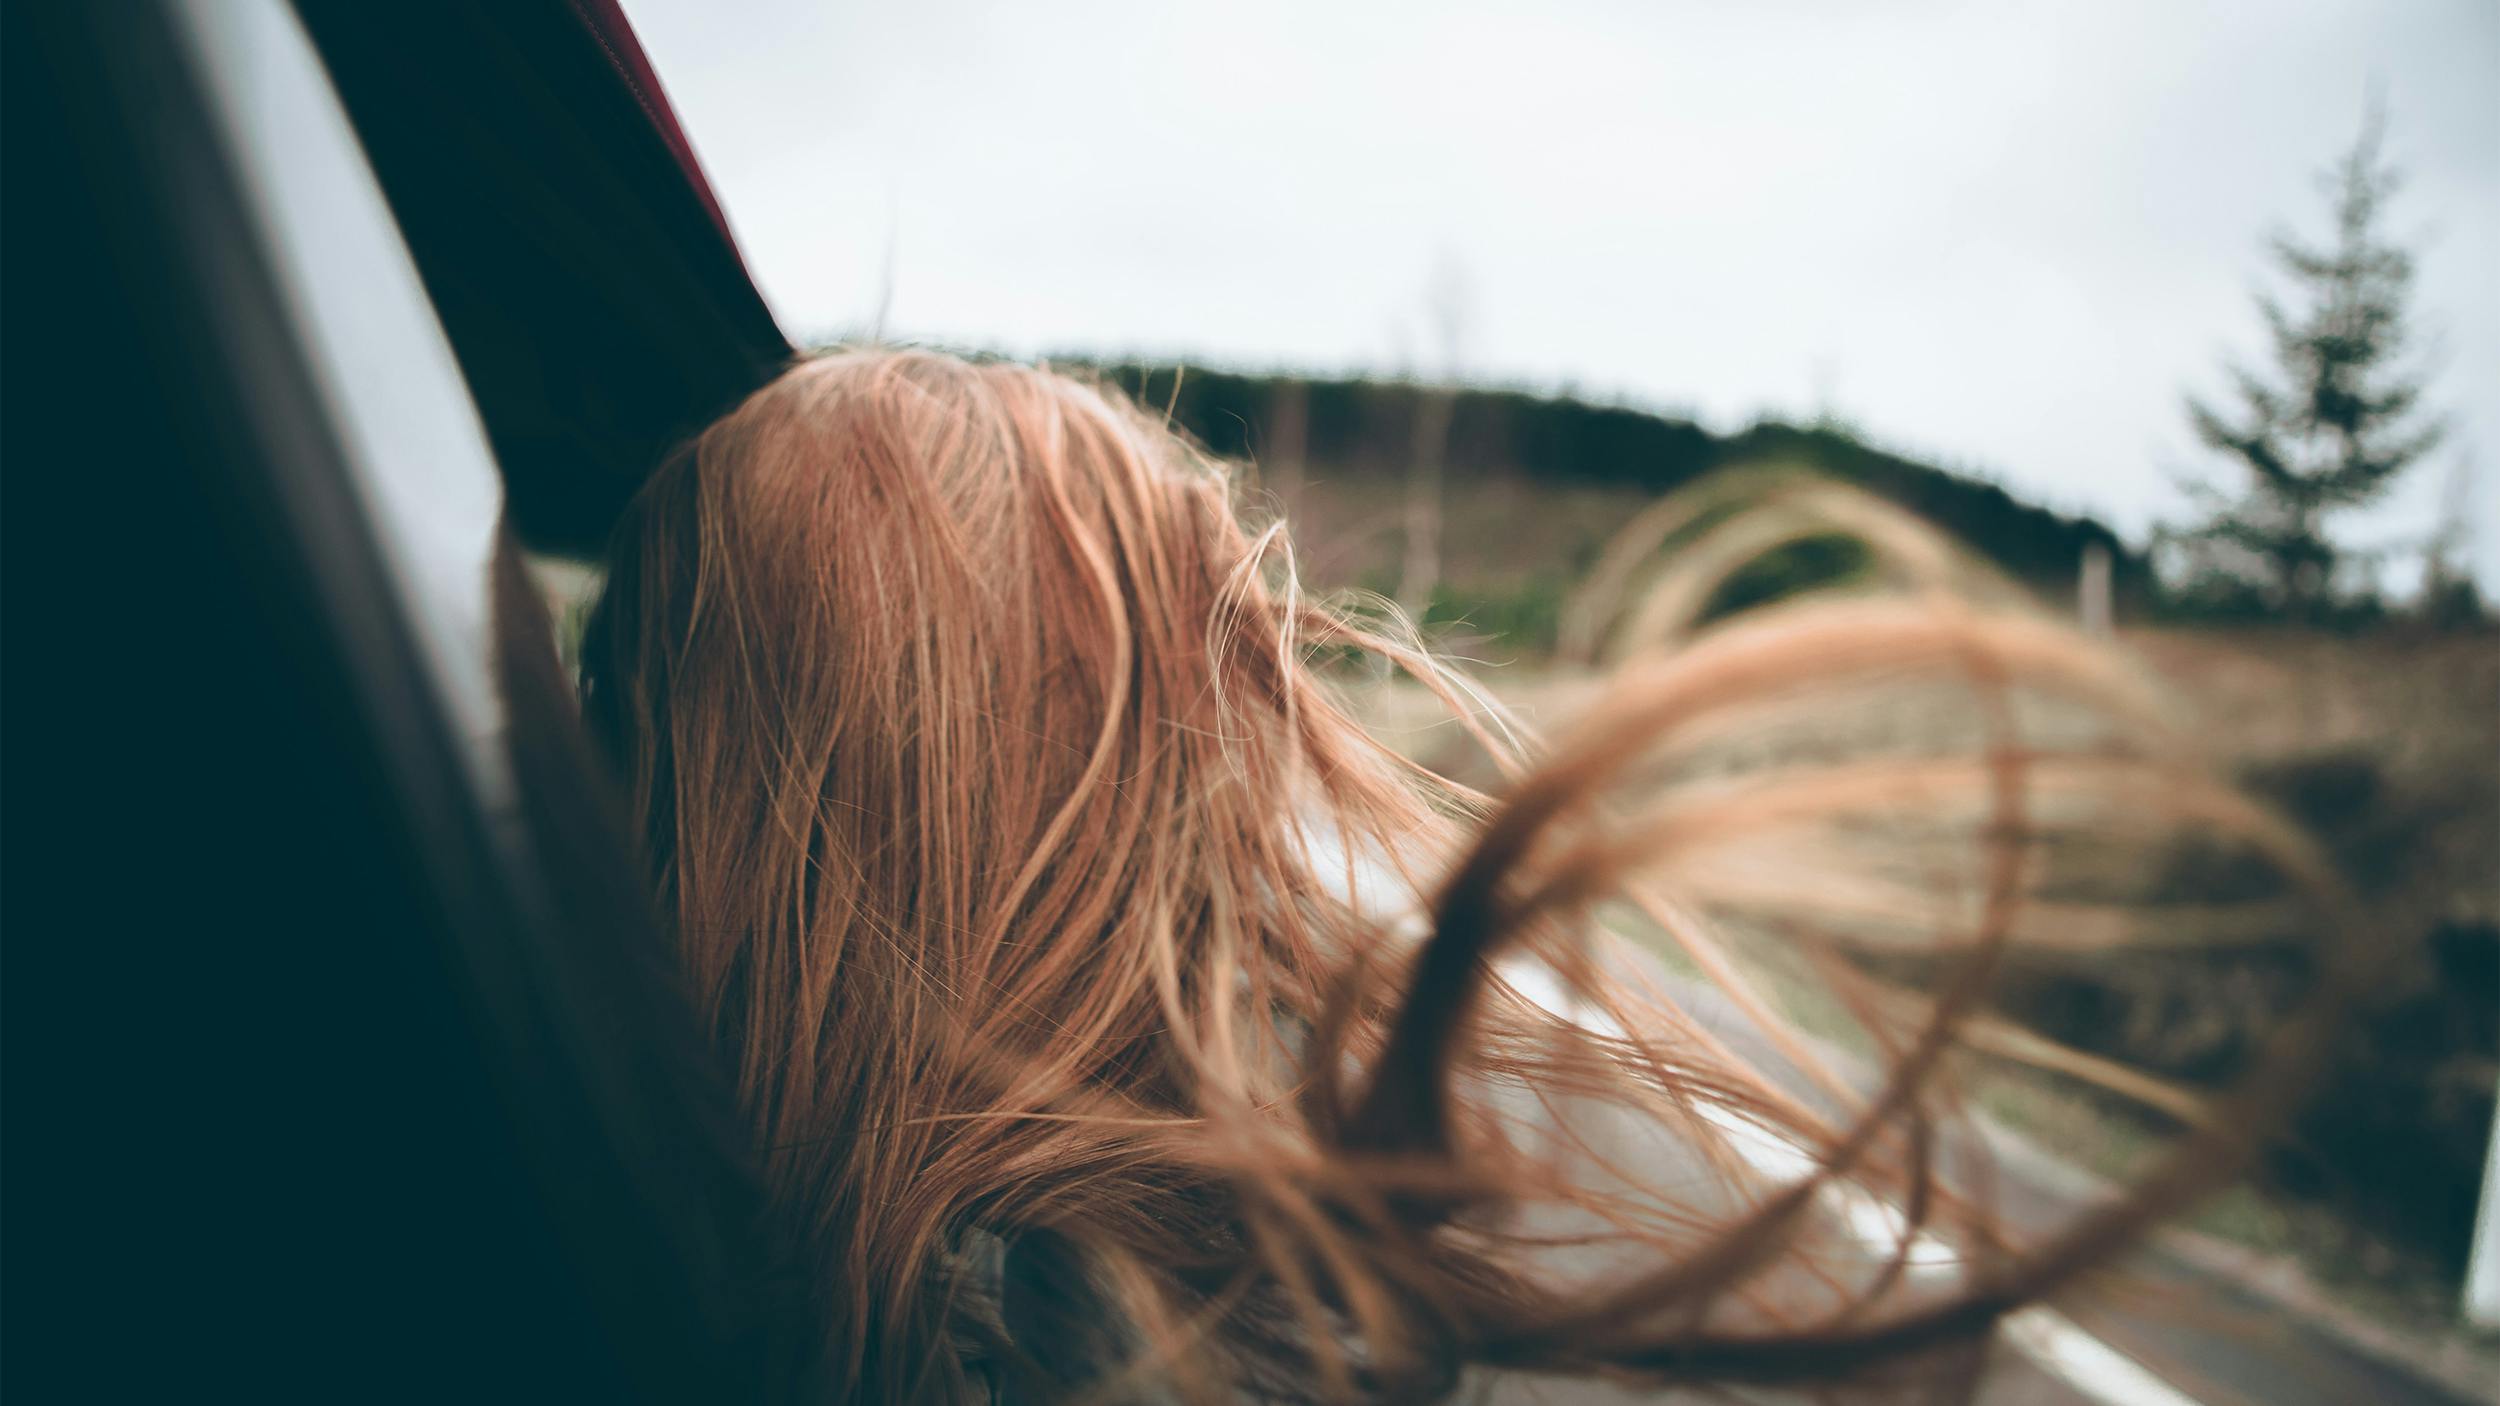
(2001, 236)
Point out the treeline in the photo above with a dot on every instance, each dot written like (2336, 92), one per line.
(1367, 427)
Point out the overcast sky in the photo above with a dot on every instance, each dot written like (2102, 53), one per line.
(2001, 236)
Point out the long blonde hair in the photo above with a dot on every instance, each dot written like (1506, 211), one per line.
(1027, 865)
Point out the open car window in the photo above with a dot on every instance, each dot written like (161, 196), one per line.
(341, 1057)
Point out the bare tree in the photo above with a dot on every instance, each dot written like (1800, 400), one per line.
(2449, 595)
(1287, 451)
(1448, 300)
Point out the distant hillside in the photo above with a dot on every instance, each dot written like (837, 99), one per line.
(1509, 444)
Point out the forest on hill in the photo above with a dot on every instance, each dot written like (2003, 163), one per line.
(1360, 436)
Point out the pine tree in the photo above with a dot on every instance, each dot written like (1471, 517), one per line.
(2332, 423)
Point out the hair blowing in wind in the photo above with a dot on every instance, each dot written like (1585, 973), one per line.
(1115, 1018)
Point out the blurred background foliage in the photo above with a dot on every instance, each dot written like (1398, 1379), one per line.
(1535, 485)
(2372, 723)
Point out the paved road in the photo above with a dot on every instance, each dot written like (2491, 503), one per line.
(2168, 1331)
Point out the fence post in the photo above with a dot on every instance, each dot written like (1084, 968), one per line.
(2092, 589)
(2482, 1268)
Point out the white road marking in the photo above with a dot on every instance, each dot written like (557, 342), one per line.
(2054, 1342)
(2110, 1377)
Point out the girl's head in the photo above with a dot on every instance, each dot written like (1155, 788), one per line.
(1063, 929)
(962, 709)
(983, 780)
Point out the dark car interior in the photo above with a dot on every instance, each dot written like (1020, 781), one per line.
(340, 1056)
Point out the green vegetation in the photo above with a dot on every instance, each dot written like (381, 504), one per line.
(1535, 484)
(2330, 425)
